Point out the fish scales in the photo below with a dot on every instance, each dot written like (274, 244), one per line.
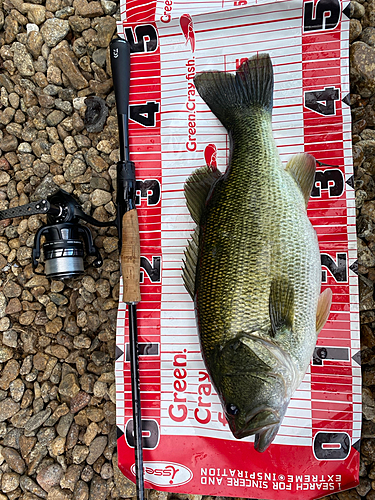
(255, 228)
(253, 266)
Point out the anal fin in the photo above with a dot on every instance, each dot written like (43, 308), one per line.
(302, 168)
(324, 306)
(190, 263)
(281, 305)
(197, 188)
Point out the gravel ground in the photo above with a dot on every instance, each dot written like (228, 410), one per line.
(58, 128)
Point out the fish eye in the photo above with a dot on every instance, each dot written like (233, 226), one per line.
(232, 409)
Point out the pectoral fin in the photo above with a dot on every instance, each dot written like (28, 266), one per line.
(190, 263)
(302, 168)
(281, 305)
(324, 306)
(197, 188)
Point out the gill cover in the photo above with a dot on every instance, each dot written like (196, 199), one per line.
(254, 379)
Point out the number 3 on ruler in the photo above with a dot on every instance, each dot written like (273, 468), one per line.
(142, 38)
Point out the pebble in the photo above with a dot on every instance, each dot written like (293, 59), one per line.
(37, 420)
(9, 482)
(8, 408)
(14, 460)
(64, 59)
(9, 373)
(96, 448)
(79, 401)
(80, 453)
(23, 60)
(54, 31)
(69, 386)
(50, 476)
(81, 491)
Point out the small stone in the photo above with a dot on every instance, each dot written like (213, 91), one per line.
(106, 471)
(98, 488)
(100, 197)
(64, 425)
(14, 306)
(54, 30)
(79, 401)
(105, 27)
(95, 414)
(17, 389)
(355, 30)
(81, 491)
(65, 60)
(91, 433)
(35, 13)
(57, 350)
(9, 373)
(109, 7)
(96, 449)
(34, 43)
(100, 57)
(368, 36)
(79, 24)
(80, 453)
(8, 143)
(57, 446)
(364, 486)
(9, 482)
(50, 476)
(12, 289)
(55, 117)
(69, 386)
(8, 408)
(27, 318)
(14, 460)
(27, 484)
(37, 420)
(54, 326)
(90, 9)
(4, 178)
(56, 493)
(23, 60)
(362, 70)
(65, 13)
(6, 353)
(125, 487)
(71, 477)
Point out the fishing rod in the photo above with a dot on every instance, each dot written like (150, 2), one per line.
(129, 246)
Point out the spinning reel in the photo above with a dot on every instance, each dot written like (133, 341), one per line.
(65, 237)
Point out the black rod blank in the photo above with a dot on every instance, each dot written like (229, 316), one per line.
(120, 62)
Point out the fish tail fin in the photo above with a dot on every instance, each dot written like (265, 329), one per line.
(230, 97)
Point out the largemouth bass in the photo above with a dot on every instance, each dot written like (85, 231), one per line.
(253, 265)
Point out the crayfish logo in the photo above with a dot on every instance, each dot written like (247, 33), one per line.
(210, 153)
(187, 28)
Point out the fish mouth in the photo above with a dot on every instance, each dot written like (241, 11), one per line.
(258, 421)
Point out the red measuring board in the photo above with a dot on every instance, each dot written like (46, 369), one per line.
(187, 443)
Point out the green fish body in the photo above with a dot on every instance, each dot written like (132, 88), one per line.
(253, 265)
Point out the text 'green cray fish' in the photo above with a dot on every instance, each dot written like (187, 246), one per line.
(253, 264)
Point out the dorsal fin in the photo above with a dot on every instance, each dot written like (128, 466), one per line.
(302, 168)
(323, 309)
(281, 305)
(197, 188)
(190, 263)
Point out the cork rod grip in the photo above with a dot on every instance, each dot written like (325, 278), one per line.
(130, 257)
